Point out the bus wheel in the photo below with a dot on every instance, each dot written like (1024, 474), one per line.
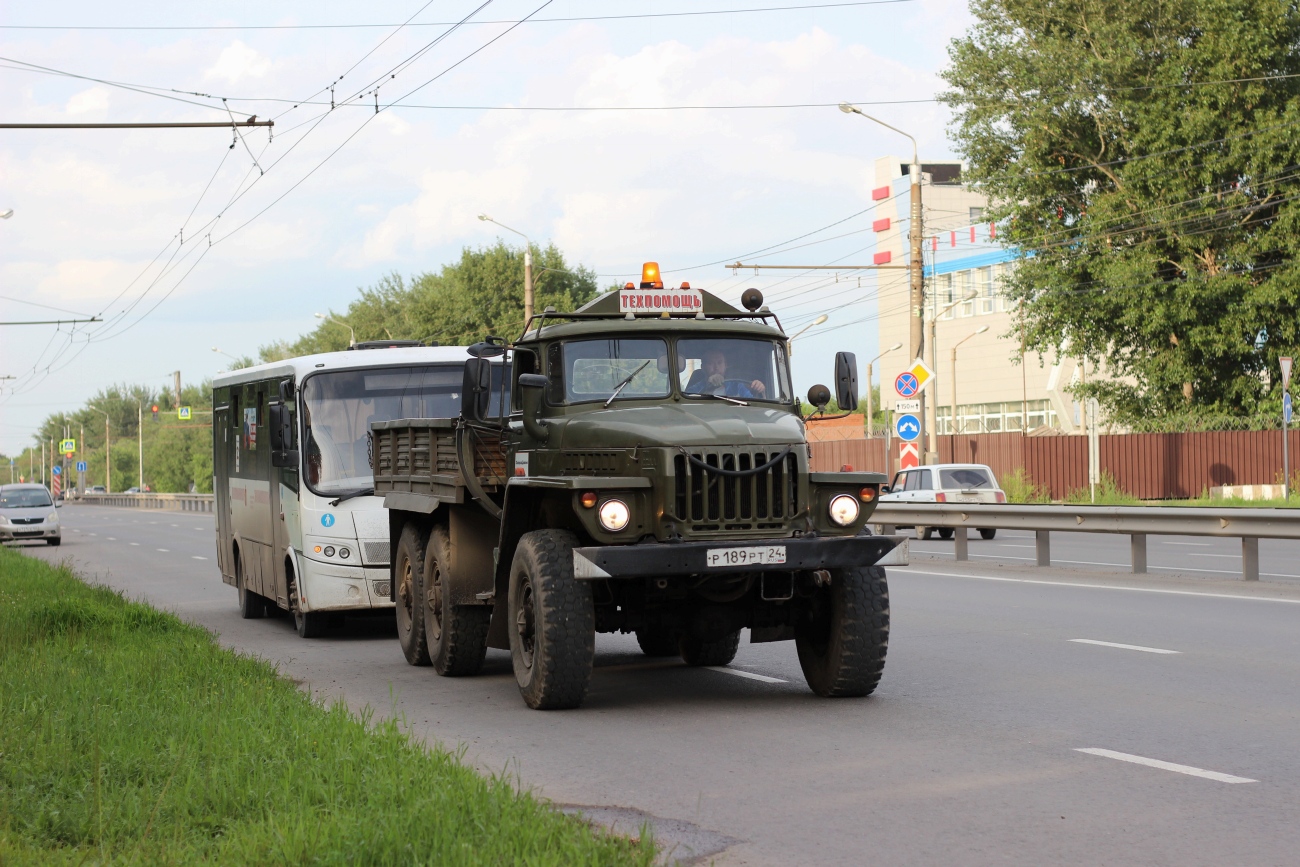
(552, 622)
(456, 634)
(844, 635)
(251, 605)
(410, 590)
(310, 624)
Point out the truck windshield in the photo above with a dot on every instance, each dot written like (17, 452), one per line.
(594, 369)
(742, 368)
(339, 408)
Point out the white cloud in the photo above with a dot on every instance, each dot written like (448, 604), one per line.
(238, 63)
(93, 101)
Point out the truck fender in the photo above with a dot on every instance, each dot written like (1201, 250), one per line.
(518, 516)
(471, 574)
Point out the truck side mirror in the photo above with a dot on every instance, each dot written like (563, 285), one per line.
(846, 381)
(531, 386)
(476, 394)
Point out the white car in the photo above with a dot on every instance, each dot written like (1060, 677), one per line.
(945, 483)
(27, 512)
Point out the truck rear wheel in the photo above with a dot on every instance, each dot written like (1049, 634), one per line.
(409, 591)
(456, 634)
(719, 652)
(552, 622)
(843, 641)
(655, 641)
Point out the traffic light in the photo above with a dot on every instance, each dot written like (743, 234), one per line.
(155, 412)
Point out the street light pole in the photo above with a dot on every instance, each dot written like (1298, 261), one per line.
(352, 334)
(108, 453)
(871, 430)
(139, 410)
(528, 266)
(952, 437)
(789, 341)
(915, 332)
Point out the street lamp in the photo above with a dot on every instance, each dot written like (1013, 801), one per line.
(915, 333)
(789, 341)
(528, 266)
(353, 338)
(952, 441)
(7, 214)
(871, 430)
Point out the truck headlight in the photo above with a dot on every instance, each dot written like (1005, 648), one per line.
(843, 509)
(614, 515)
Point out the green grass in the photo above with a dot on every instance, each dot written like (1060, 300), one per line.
(129, 737)
(1021, 488)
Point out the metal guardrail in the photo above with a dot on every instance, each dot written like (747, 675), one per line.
(1136, 522)
(168, 502)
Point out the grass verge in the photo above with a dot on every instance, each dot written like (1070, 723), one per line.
(129, 737)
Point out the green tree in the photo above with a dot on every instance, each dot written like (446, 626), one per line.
(1144, 160)
(481, 294)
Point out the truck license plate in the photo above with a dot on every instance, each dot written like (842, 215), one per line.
(758, 556)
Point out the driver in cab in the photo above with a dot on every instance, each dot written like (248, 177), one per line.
(712, 378)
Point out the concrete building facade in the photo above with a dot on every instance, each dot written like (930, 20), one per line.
(998, 387)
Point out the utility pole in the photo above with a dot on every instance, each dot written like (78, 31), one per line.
(178, 388)
(139, 416)
(528, 266)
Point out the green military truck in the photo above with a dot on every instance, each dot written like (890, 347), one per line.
(647, 473)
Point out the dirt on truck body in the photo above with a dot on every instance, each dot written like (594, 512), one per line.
(647, 473)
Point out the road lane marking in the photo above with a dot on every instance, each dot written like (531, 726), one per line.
(1122, 646)
(1098, 563)
(1106, 587)
(136, 544)
(196, 557)
(746, 674)
(164, 550)
(1224, 556)
(1188, 544)
(1164, 766)
(112, 538)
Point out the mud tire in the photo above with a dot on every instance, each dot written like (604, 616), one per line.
(988, 532)
(946, 533)
(718, 652)
(552, 622)
(456, 634)
(843, 641)
(408, 593)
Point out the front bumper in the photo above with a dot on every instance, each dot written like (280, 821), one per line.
(688, 558)
(19, 532)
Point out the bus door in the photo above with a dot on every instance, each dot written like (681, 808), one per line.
(221, 459)
(282, 422)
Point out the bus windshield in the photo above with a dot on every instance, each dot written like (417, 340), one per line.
(339, 408)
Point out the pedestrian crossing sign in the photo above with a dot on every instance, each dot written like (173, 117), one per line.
(68, 446)
(183, 413)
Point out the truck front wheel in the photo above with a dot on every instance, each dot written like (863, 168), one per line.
(456, 634)
(410, 579)
(552, 622)
(844, 637)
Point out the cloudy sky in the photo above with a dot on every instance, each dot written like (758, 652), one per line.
(180, 242)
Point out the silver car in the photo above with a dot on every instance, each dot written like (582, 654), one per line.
(27, 512)
(945, 483)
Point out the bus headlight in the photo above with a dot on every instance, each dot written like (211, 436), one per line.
(614, 515)
(843, 509)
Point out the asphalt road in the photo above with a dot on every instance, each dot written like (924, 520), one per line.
(969, 752)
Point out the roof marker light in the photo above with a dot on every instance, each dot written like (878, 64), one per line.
(650, 277)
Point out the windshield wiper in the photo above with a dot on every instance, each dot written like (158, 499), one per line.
(726, 397)
(359, 492)
(625, 383)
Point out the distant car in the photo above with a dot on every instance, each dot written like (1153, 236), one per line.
(28, 512)
(945, 483)
(132, 490)
(98, 489)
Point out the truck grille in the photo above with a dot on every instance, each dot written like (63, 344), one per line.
(710, 501)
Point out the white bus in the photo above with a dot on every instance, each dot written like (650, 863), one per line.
(297, 525)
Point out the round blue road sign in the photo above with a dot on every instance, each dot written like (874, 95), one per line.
(906, 384)
(327, 520)
(908, 427)
(57, 470)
